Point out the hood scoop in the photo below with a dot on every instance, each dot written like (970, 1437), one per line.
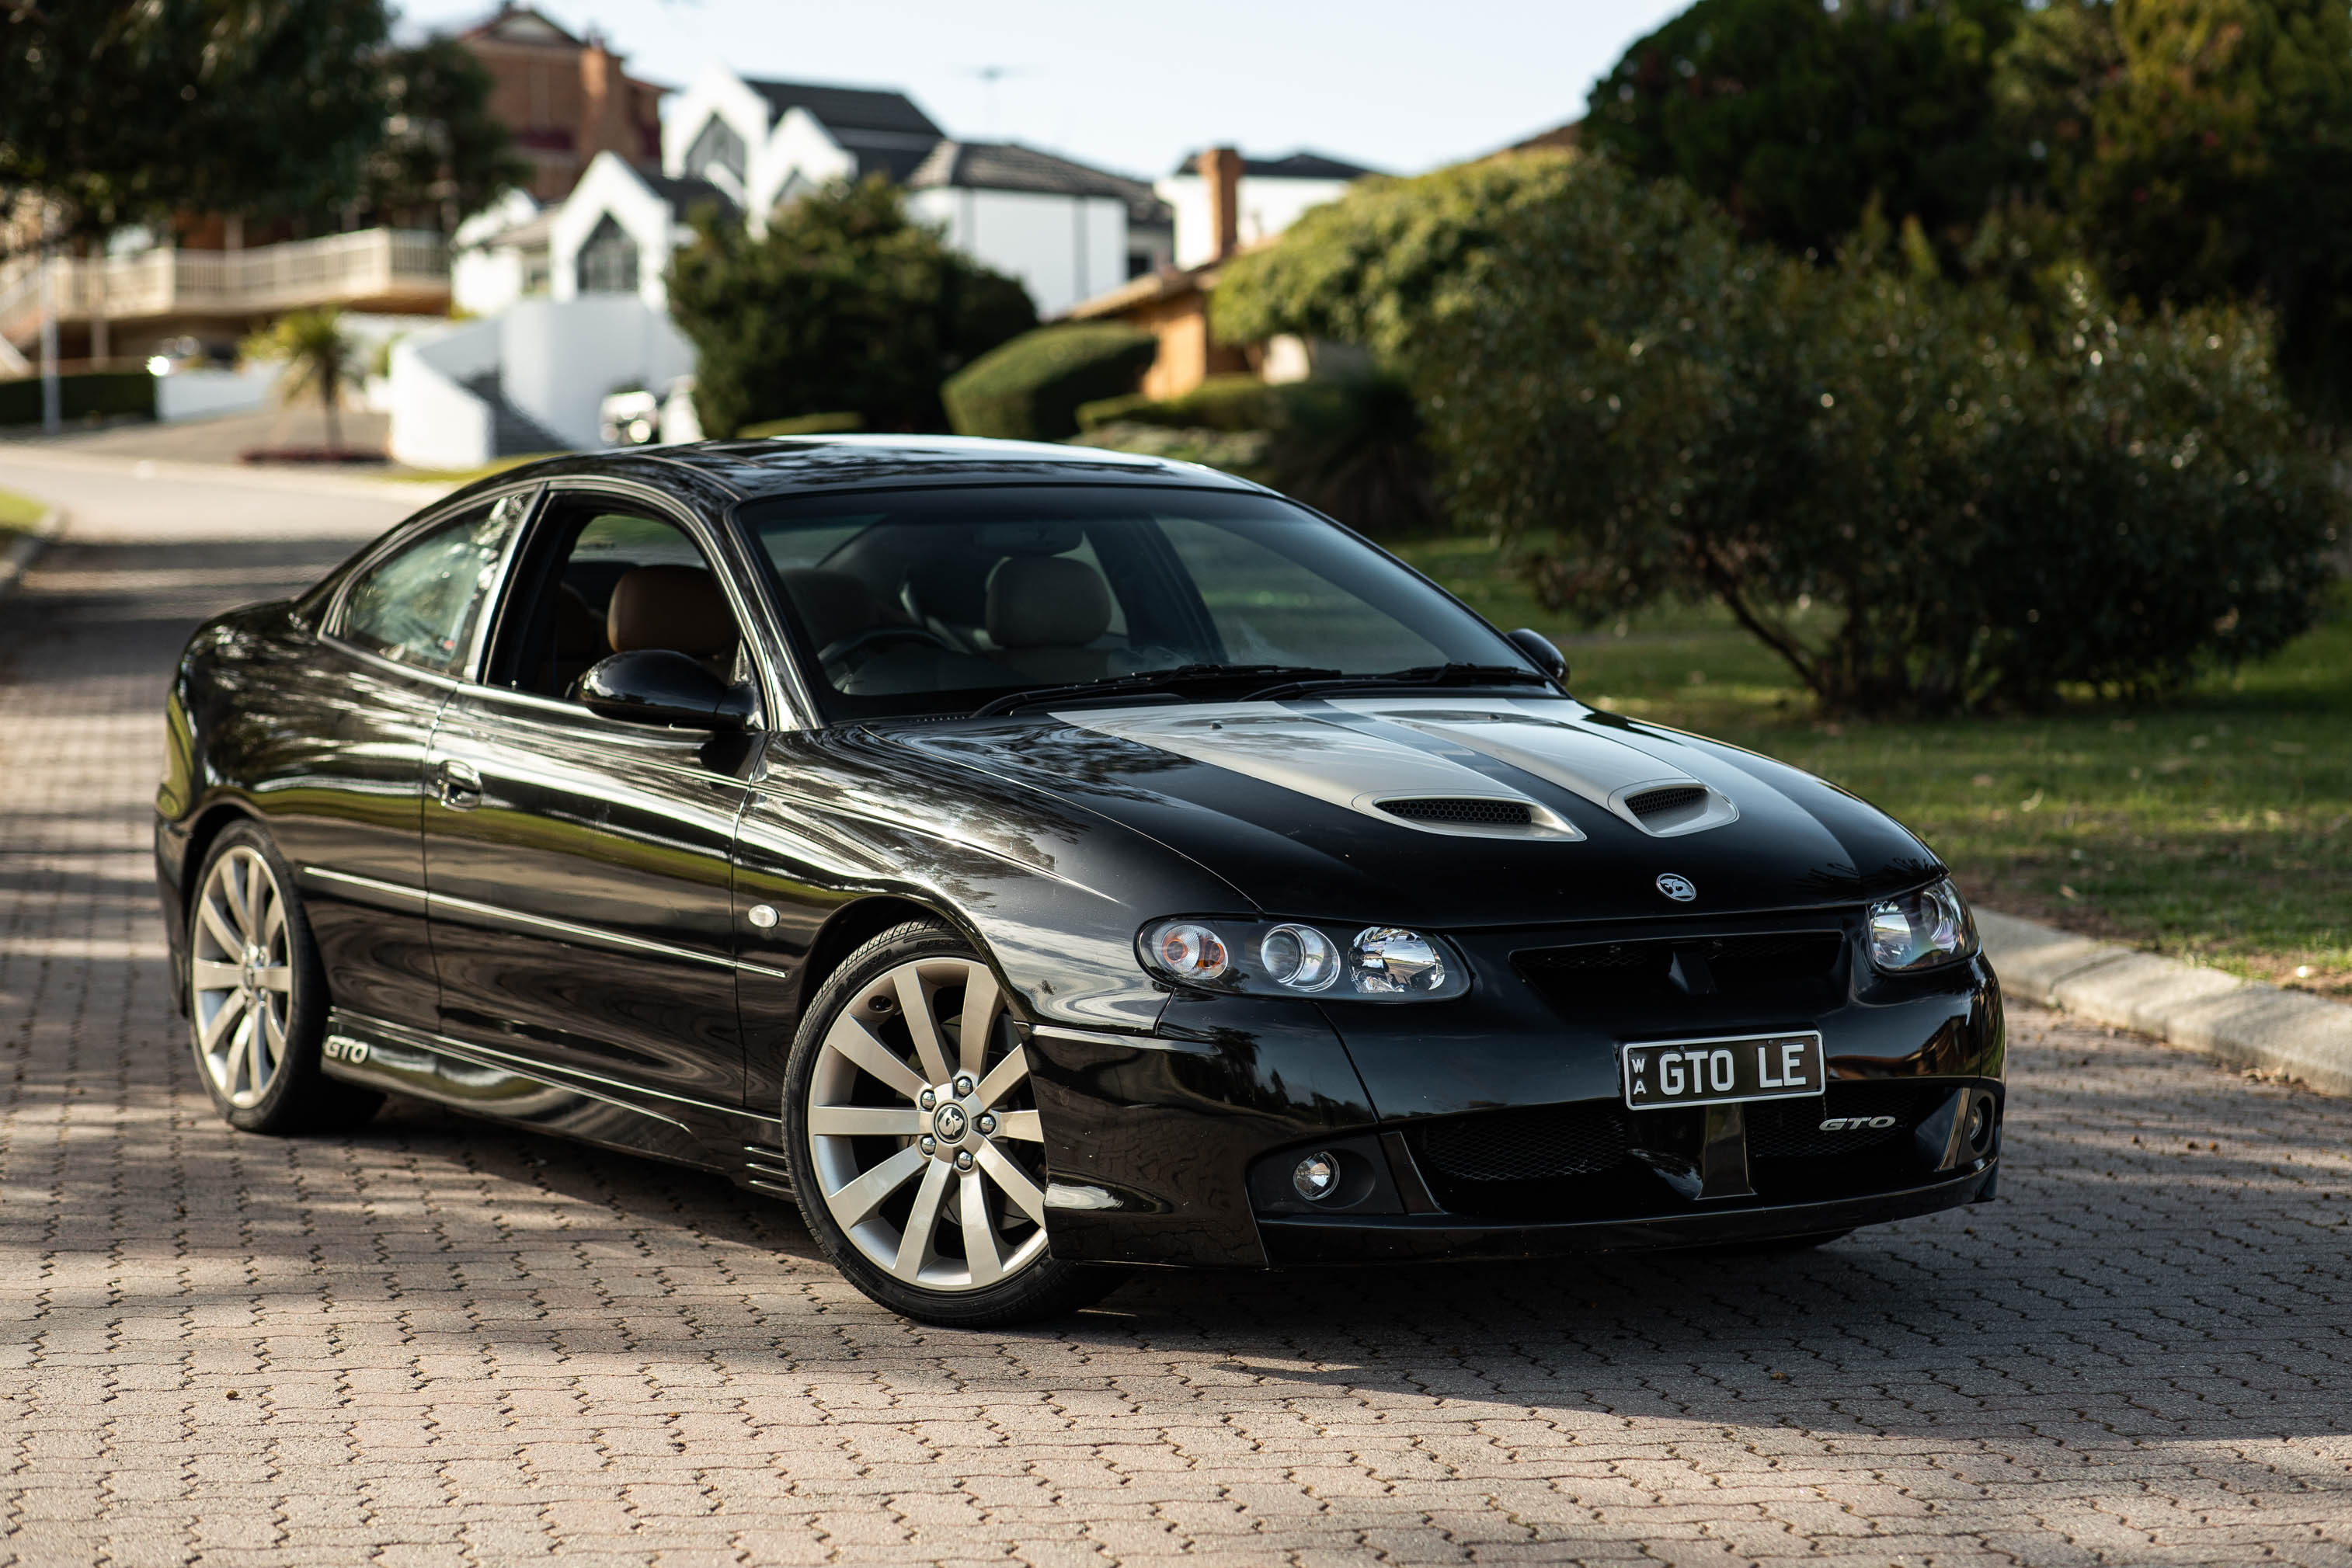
(1629, 783)
(1389, 781)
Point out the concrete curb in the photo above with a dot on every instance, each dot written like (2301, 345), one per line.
(2242, 1022)
(29, 548)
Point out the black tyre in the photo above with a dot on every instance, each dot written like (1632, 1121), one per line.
(257, 996)
(914, 1139)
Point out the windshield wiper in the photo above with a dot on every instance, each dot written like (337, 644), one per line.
(1146, 681)
(1418, 676)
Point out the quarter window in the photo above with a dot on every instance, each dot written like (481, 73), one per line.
(419, 605)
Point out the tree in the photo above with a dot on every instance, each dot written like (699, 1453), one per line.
(444, 156)
(846, 304)
(320, 359)
(1888, 476)
(124, 111)
(1795, 114)
(2202, 150)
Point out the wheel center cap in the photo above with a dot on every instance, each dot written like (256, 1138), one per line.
(947, 1123)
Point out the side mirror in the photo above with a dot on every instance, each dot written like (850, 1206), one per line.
(1539, 649)
(660, 685)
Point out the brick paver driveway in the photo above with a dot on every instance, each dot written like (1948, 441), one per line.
(438, 1342)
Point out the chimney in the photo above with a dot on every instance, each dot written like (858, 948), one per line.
(1221, 169)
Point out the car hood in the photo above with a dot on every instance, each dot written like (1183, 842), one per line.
(1458, 811)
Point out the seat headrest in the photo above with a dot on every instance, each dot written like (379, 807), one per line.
(676, 607)
(1046, 602)
(832, 604)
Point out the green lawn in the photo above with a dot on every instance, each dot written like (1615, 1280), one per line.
(2217, 827)
(19, 513)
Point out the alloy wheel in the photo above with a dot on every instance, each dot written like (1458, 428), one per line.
(240, 976)
(923, 1131)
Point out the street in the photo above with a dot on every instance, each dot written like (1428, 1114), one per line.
(438, 1342)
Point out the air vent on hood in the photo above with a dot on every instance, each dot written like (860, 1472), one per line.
(1468, 812)
(1670, 802)
(1668, 805)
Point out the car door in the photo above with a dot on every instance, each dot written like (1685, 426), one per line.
(578, 864)
(347, 812)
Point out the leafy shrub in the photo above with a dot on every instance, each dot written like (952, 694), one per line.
(845, 302)
(1031, 388)
(1220, 403)
(1643, 407)
(90, 394)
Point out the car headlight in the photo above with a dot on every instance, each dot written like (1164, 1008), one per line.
(1922, 930)
(1296, 958)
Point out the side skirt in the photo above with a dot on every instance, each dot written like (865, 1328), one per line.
(479, 1082)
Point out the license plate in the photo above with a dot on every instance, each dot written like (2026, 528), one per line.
(1716, 1071)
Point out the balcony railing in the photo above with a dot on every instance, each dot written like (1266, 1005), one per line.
(382, 268)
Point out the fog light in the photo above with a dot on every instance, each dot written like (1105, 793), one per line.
(1979, 1130)
(1316, 1177)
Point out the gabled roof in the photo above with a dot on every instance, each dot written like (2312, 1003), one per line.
(685, 195)
(1008, 166)
(1300, 165)
(512, 24)
(840, 108)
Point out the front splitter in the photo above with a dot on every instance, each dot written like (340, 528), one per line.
(1295, 1242)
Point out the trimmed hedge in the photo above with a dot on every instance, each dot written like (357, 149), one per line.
(1029, 389)
(88, 393)
(802, 425)
(1221, 403)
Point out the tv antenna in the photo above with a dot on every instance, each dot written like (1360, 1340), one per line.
(989, 77)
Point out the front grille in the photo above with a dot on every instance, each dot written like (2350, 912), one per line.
(1763, 963)
(1535, 1144)
(1664, 802)
(1465, 812)
(1791, 1129)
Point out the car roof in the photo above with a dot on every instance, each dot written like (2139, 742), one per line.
(797, 464)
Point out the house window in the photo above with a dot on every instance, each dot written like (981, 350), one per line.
(607, 263)
(718, 144)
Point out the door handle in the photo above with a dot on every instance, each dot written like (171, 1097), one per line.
(457, 786)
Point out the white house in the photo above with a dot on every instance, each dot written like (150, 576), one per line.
(1067, 230)
(1270, 195)
(574, 298)
(766, 141)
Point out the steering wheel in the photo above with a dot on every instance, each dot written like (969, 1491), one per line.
(874, 636)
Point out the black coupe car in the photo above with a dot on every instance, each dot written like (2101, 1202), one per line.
(1032, 859)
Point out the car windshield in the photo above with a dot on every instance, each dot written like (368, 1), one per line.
(947, 600)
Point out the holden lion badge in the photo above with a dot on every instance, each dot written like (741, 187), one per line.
(1681, 888)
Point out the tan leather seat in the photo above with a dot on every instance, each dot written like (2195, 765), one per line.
(678, 607)
(1043, 611)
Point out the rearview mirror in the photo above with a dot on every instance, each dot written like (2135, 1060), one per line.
(1538, 648)
(661, 685)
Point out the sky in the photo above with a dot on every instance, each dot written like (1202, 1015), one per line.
(1395, 86)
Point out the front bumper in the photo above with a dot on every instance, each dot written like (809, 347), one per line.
(1176, 1148)
(1426, 1239)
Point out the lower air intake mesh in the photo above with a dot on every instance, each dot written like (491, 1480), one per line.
(1469, 812)
(1533, 1144)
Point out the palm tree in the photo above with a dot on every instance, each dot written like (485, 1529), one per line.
(319, 358)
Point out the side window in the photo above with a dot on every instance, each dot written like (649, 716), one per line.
(605, 583)
(419, 606)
